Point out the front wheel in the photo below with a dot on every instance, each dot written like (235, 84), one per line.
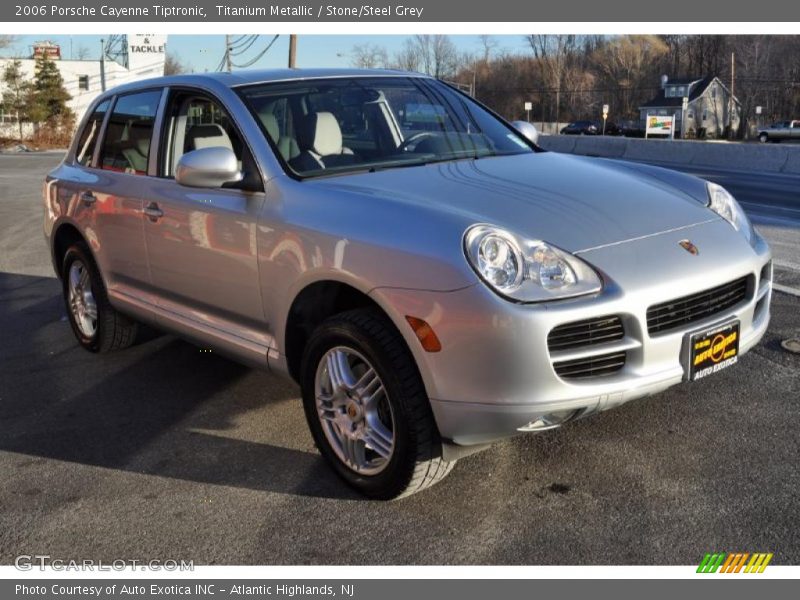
(367, 409)
(763, 138)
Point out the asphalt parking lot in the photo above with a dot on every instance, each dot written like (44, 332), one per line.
(164, 452)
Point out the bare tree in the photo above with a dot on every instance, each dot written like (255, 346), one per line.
(444, 55)
(488, 45)
(554, 54)
(6, 41)
(369, 56)
(407, 59)
(628, 62)
(435, 55)
(81, 53)
(173, 65)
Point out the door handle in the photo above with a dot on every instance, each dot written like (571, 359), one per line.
(153, 212)
(88, 198)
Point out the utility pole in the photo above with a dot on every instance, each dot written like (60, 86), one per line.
(228, 64)
(475, 80)
(732, 106)
(102, 65)
(292, 50)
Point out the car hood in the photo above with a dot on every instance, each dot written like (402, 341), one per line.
(575, 203)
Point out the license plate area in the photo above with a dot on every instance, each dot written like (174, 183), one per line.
(712, 350)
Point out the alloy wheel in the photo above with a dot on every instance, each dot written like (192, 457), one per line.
(354, 410)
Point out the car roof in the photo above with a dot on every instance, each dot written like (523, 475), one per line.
(253, 76)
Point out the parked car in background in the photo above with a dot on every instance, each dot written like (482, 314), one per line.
(581, 128)
(778, 132)
(591, 128)
(430, 277)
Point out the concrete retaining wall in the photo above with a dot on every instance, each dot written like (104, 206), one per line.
(773, 158)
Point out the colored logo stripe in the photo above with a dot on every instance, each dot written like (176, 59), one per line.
(734, 562)
(758, 563)
(711, 563)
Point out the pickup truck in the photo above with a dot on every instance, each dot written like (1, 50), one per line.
(784, 130)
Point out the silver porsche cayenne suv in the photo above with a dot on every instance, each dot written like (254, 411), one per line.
(430, 277)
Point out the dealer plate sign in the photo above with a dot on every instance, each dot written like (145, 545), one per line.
(713, 350)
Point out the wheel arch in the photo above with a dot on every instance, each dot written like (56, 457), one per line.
(66, 234)
(314, 303)
(322, 299)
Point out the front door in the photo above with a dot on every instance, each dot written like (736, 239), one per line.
(201, 242)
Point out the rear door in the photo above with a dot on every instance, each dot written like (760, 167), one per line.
(113, 179)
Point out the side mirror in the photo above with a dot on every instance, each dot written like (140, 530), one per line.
(528, 130)
(208, 167)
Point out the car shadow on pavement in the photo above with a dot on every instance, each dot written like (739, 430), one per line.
(159, 408)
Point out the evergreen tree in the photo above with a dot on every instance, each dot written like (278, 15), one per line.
(16, 92)
(47, 96)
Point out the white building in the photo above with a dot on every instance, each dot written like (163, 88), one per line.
(138, 56)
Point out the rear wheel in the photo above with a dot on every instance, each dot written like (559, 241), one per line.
(763, 138)
(367, 408)
(96, 324)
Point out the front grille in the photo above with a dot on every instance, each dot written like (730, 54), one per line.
(688, 309)
(585, 333)
(591, 366)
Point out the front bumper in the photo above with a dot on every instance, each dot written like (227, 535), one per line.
(494, 375)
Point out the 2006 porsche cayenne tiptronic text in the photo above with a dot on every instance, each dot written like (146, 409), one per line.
(430, 277)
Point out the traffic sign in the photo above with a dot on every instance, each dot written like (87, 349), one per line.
(529, 106)
(758, 110)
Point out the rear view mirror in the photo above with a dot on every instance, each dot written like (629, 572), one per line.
(208, 167)
(528, 130)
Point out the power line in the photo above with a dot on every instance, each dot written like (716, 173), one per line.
(235, 43)
(258, 56)
(244, 47)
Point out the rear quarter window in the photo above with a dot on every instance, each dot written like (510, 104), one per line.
(88, 138)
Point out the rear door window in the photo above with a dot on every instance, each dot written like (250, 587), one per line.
(88, 140)
(126, 147)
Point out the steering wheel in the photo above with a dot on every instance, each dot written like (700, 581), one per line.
(403, 147)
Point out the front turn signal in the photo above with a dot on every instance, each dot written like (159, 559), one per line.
(425, 334)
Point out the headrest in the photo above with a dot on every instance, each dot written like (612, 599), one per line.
(271, 125)
(138, 136)
(321, 134)
(208, 136)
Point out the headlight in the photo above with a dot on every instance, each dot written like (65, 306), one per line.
(722, 203)
(526, 270)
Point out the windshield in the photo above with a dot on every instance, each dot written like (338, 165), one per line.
(329, 126)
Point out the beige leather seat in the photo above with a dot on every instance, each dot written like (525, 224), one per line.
(320, 140)
(136, 148)
(286, 145)
(207, 136)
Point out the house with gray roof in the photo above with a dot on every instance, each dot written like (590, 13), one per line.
(709, 109)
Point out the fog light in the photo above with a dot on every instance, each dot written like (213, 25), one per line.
(549, 421)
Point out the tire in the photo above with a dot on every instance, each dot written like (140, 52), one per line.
(112, 330)
(366, 339)
(763, 138)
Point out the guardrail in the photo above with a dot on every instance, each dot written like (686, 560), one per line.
(773, 158)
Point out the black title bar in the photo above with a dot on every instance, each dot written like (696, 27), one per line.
(570, 11)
